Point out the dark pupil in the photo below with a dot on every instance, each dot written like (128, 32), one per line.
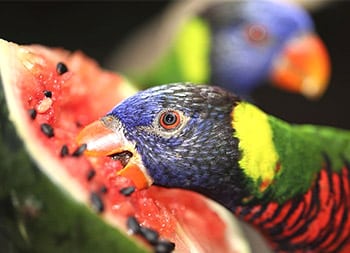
(169, 118)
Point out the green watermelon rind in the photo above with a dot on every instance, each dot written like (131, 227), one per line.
(64, 223)
(57, 202)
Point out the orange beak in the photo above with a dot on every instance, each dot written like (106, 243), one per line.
(105, 137)
(303, 67)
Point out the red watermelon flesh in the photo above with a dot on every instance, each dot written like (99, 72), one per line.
(51, 95)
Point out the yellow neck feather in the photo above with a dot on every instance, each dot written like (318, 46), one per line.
(259, 156)
(194, 60)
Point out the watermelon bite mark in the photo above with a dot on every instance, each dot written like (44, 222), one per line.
(51, 95)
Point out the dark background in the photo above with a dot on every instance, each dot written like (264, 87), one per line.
(97, 28)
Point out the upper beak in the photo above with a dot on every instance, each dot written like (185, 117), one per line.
(303, 66)
(105, 137)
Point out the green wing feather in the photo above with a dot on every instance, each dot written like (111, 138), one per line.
(283, 160)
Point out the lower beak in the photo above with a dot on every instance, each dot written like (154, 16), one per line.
(303, 66)
(105, 137)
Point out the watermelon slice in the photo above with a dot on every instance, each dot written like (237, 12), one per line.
(51, 94)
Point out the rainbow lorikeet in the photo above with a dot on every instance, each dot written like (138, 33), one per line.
(291, 182)
(238, 45)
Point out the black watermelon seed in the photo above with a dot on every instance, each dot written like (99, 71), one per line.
(80, 150)
(48, 93)
(64, 151)
(127, 191)
(103, 189)
(32, 113)
(96, 202)
(91, 174)
(133, 225)
(164, 246)
(47, 130)
(78, 124)
(150, 235)
(61, 68)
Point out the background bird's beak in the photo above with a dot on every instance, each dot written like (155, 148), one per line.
(303, 66)
(103, 140)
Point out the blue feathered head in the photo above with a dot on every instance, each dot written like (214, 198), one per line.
(179, 135)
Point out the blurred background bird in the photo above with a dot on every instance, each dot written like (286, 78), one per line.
(239, 45)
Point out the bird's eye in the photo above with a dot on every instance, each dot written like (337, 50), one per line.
(256, 33)
(169, 119)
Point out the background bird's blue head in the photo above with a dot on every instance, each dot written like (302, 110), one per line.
(246, 38)
(184, 135)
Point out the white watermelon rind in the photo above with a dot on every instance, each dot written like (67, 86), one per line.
(14, 60)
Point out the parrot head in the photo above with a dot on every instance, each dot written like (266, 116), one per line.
(176, 135)
(266, 40)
